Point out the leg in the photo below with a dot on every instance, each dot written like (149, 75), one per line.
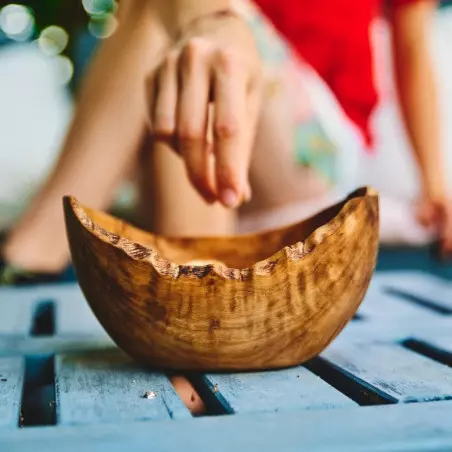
(169, 203)
(276, 177)
(284, 190)
(101, 145)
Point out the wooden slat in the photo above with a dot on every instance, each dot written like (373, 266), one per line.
(399, 330)
(426, 287)
(438, 341)
(414, 427)
(284, 390)
(394, 371)
(11, 383)
(13, 345)
(434, 345)
(16, 311)
(381, 306)
(96, 387)
(73, 314)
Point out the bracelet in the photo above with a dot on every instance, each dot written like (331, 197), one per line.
(220, 14)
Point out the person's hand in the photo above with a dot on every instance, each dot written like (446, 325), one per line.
(437, 215)
(204, 101)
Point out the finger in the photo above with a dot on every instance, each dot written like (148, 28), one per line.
(166, 95)
(230, 96)
(188, 394)
(192, 116)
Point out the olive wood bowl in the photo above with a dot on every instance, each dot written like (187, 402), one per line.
(256, 301)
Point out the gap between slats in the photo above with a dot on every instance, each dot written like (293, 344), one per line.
(43, 319)
(38, 394)
(393, 370)
(38, 401)
(429, 350)
(418, 300)
(313, 386)
(344, 383)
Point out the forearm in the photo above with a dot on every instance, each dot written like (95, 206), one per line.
(176, 13)
(110, 115)
(416, 86)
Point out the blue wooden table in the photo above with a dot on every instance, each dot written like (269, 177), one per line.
(385, 384)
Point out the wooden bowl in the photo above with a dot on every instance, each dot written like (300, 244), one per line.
(267, 300)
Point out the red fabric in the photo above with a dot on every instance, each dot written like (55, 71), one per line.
(334, 37)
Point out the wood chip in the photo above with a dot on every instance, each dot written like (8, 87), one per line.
(149, 395)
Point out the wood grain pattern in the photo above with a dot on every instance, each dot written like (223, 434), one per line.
(106, 386)
(272, 411)
(392, 370)
(291, 389)
(11, 381)
(397, 428)
(280, 298)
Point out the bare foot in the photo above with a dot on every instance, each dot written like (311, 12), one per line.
(188, 395)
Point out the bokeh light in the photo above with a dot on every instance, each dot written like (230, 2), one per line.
(65, 69)
(53, 40)
(17, 22)
(103, 28)
(98, 7)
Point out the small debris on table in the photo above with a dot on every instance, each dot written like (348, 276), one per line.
(149, 395)
(215, 388)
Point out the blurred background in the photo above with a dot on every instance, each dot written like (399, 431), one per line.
(46, 45)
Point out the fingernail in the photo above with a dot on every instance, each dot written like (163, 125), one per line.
(229, 198)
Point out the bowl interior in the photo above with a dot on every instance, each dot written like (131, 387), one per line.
(239, 251)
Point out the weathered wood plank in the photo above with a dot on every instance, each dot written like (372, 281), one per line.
(106, 386)
(74, 316)
(14, 345)
(11, 382)
(16, 311)
(381, 306)
(414, 427)
(402, 329)
(392, 370)
(434, 345)
(433, 290)
(438, 341)
(284, 390)
(77, 319)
